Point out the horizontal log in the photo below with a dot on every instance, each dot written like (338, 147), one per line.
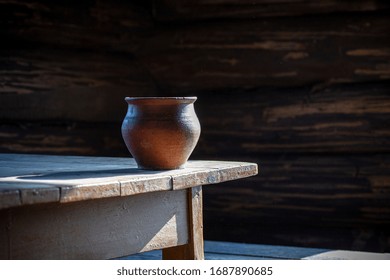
(341, 119)
(350, 191)
(308, 236)
(66, 138)
(99, 25)
(319, 201)
(55, 84)
(275, 52)
(185, 10)
(181, 59)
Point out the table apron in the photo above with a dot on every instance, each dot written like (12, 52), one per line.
(96, 229)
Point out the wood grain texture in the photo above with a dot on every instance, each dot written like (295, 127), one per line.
(189, 10)
(9, 197)
(339, 119)
(324, 190)
(29, 179)
(339, 201)
(275, 52)
(194, 249)
(98, 25)
(55, 53)
(172, 59)
(348, 255)
(96, 229)
(44, 84)
(196, 243)
(62, 137)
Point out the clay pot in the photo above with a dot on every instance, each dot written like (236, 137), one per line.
(161, 132)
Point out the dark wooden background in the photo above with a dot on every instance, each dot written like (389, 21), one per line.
(299, 87)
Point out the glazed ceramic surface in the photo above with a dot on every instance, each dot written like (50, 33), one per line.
(161, 132)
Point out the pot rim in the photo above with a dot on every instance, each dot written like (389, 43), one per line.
(164, 99)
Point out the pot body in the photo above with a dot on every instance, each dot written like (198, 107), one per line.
(161, 132)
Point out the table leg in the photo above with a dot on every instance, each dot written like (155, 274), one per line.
(194, 249)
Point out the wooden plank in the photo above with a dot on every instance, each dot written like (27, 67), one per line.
(39, 195)
(98, 229)
(217, 256)
(328, 190)
(244, 250)
(90, 191)
(349, 255)
(66, 162)
(78, 25)
(218, 250)
(185, 10)
(294, 233)
(194, 249)
(150, 255)
(42, 85)
(69, 138)
(43, 45)
(212, 172)
(332, 201)
(9, 197)
(337, 119)
(142, 185)
(157, 255)
(275, 52)
(42, 178)
(18, 193)
(195, 210)
(242, 55)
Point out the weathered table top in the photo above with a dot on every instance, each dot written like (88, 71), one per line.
(32, 179)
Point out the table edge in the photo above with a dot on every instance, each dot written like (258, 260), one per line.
(216, 172)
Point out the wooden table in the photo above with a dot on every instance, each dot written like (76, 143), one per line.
(68, 207)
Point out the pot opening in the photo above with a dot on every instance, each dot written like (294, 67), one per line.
(161, 100)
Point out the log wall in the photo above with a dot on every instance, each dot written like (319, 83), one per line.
(301, 88)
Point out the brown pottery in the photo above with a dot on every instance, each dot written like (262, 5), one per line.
(161, 132)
